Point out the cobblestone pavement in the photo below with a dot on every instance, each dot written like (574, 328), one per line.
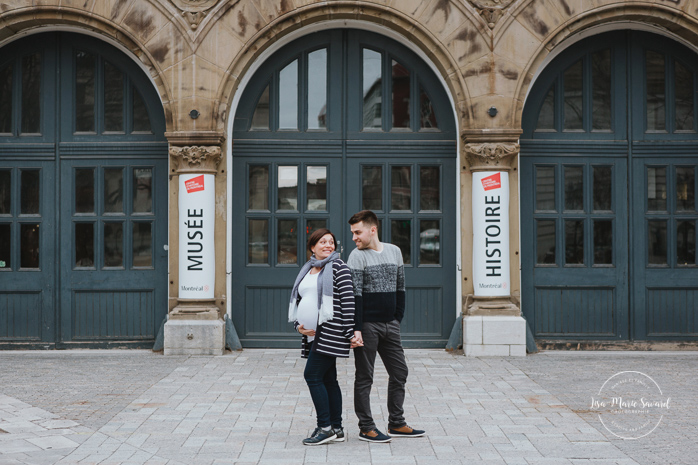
(138, 407)
(574, 377)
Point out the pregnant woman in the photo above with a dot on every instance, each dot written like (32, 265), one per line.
(322, 310)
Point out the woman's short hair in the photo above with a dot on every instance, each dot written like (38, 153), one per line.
(367, 217)
(315, 237)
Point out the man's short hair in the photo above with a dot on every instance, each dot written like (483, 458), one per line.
(366, 217)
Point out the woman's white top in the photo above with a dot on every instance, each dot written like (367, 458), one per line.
(307, 308)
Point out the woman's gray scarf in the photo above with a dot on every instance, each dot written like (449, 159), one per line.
(325, 301)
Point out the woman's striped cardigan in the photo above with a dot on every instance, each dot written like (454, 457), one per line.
(332, 337)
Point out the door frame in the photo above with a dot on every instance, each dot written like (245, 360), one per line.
(627, 139)
(263, 58)
(57, 142)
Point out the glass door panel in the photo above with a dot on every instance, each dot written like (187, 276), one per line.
(31, 93)
(317, 89)
(287, 187)
(258, 242)
(372, 89)
(316, 188)
(401, 188)
(287, 242)
(401, 234)
(372, 188)
(429, 188)
(288, 96)
(401, 95)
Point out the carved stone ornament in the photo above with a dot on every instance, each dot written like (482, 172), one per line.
(491, 10)
(194, 11)
(491, 156)
(196, 159)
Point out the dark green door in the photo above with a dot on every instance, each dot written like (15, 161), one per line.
(287, 199)
(664, 219)
(112, 250)
(608, 182)
(410, 198)
(83, 193)
(578, 230)
(333, 123)
(27, 257)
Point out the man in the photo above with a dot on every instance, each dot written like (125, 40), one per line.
(379, 291)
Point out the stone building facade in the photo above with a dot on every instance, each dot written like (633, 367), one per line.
(577, 118)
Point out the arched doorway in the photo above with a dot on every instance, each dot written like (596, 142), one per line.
(609, 159)
(83, 195)
(332, 123)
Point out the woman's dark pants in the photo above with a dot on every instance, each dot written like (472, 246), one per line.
(321, 376)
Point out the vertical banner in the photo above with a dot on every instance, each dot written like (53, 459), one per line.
(491, 233)
(196, 244)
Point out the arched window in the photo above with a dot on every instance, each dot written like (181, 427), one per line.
(388, 92)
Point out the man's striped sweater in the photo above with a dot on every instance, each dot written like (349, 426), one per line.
(379, 284)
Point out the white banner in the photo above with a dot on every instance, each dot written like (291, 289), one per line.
(197, 267)
(491, 233)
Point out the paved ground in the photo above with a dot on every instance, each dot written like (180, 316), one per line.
(138, 407)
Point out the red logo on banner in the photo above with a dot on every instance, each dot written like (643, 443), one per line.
(195, 184)
(492, 182)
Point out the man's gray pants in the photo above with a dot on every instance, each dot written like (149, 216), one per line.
(383, 338)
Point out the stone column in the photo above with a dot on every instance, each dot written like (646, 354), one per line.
(492, 321)
(195, 325)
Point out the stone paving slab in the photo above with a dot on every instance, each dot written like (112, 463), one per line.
(138, 407)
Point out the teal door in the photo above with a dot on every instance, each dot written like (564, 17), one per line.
(83, 196)
(113, 251)
(608, 182)
(27, 254)
(333, 123)
(410, 196)
(579, 232)
(664, 217)
(287, 199)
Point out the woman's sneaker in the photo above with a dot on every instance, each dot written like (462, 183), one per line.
(339, 432)
(405, 432)
(320, 437)
(374, 436)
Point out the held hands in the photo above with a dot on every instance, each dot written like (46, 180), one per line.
(357, 340)
(306, 332)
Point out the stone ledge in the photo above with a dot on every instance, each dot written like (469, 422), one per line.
(194, 337)
(195, 310)
(491, 306)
